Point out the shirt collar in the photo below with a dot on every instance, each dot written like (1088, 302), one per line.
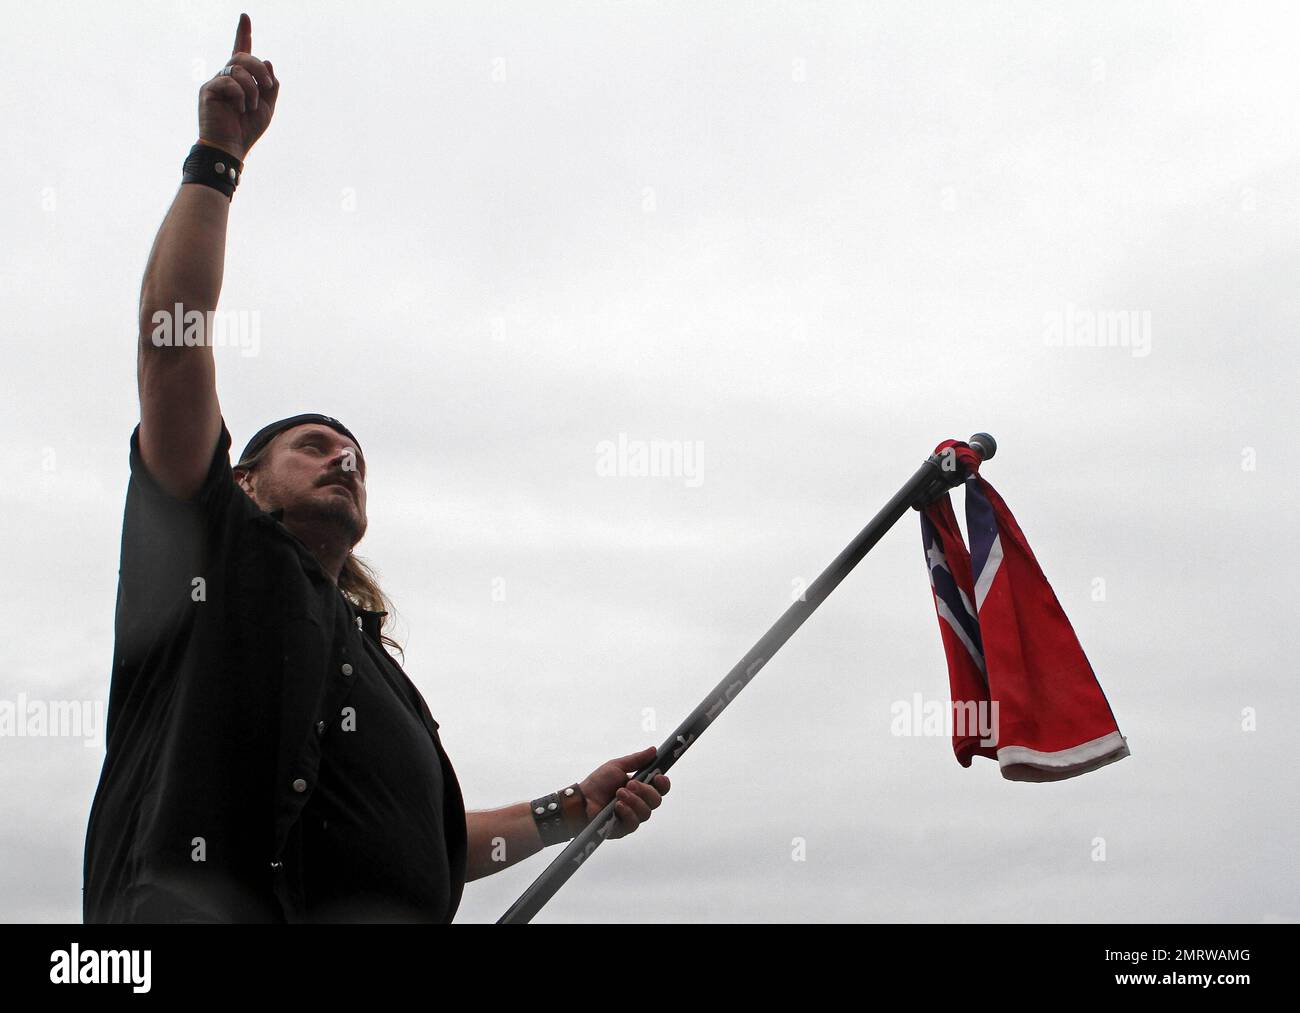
(370, 621)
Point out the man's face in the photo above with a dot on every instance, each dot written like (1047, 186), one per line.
(317, 475)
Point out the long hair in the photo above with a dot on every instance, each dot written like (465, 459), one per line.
(357, 579)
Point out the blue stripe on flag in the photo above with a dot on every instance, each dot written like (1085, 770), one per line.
(985, 541)
(959, 611)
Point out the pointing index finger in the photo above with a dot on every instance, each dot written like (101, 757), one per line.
(243, 35)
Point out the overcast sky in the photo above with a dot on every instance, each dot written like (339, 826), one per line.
(808, 241)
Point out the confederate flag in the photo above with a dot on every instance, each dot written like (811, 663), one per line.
(1010, 649)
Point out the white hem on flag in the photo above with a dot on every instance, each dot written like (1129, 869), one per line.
(1020, 763)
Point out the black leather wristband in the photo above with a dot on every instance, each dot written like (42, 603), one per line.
(213, 167)
(549, 813)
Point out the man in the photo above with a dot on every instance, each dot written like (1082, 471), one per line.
(267, 758)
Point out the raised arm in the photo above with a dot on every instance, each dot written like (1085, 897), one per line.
(180, 418)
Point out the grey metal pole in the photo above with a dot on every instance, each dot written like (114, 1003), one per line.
(939, 473)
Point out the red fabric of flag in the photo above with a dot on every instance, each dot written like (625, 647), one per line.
(1023, 691)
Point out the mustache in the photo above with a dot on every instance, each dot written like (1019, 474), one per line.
(338, 478)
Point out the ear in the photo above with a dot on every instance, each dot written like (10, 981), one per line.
(242, 480)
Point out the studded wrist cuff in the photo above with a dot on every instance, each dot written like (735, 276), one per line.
(213, 167)
(560, 815)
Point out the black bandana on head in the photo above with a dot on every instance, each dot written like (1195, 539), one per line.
(267, 433)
